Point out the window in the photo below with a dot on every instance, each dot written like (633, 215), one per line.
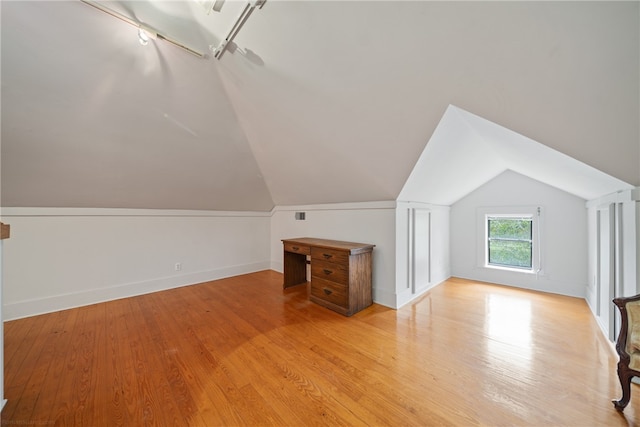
(510, 241)
(509, 238)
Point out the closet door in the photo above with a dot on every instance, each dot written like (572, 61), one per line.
(421, 250)
(606, 269)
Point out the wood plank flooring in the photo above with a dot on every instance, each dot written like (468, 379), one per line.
(242, 351)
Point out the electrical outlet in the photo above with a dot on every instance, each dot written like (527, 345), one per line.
(178, 266)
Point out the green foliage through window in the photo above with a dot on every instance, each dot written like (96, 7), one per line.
(510, 241)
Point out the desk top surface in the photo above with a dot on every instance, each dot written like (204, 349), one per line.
(331, 244)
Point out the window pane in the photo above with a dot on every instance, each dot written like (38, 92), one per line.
(510, 241)
(510, 228)
(512, 253)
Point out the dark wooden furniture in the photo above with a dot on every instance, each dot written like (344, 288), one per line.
(628, 346)
(4, 231)
(340, 272)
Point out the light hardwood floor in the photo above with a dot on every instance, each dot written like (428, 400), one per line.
(242, 351)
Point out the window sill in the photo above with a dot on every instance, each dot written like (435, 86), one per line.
(512, 270)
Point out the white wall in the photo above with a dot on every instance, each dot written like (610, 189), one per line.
(637, 239)
(563, 235)
(440, 269)
(592, 259)
(370, 222)
(630, 236)
(627, 241)
(624, 262)
(62, 258)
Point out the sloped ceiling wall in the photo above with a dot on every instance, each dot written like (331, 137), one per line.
(319, 102)
(485, 150)
(91, 118)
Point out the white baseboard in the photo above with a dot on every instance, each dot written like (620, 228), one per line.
(405, 297)
(277, 266)
(51, 304)
(388, 299)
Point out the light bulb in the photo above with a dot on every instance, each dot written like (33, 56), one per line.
(143, 37)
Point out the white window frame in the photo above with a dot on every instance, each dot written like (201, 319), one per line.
(536, 215)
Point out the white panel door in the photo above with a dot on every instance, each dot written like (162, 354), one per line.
(606, 269)
(421, 239)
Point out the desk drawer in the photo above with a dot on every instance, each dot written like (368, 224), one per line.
(330, 291)
(331, 255)
(294, 247)
(330, 271)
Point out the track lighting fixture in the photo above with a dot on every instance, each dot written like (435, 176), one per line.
(143, 37)
(209, 5)
(145, 34)
(244, 15)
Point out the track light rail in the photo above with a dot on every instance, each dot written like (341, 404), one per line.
(141, 26)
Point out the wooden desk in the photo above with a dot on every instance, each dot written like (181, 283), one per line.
(340, 272)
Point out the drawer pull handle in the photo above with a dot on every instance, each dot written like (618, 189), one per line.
(327, 272)
(327, 291)
(295, 248)
(327, 256)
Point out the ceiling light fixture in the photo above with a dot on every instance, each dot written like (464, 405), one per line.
(209, 5)
(144, 32)
(244, 15)
(143, 37)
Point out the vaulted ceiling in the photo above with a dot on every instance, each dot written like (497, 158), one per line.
(484, 150)
(315, 102)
